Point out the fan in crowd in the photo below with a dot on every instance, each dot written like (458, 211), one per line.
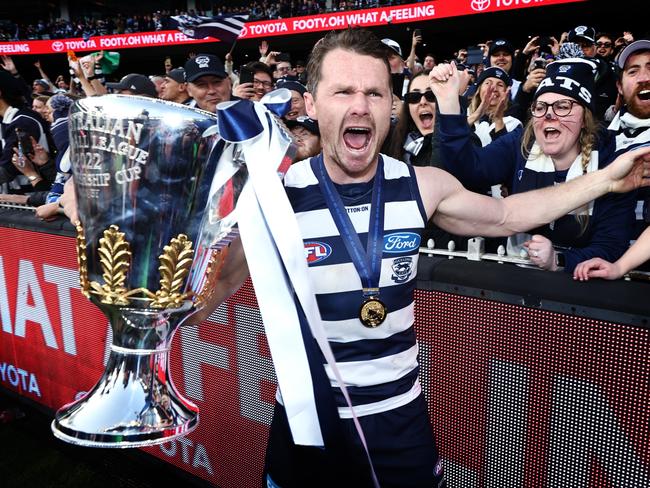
(560, 143)
(487, 111)
(496, 105)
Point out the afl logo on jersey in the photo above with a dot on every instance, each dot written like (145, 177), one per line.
(316, 251)
(401, 242)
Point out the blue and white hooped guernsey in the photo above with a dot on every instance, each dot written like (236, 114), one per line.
(379, 366)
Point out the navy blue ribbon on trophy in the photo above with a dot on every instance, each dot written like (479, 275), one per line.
(238, 120)
(368, 264)
(278, 101)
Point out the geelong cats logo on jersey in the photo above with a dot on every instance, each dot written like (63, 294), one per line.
(317, 251)
(402, 268)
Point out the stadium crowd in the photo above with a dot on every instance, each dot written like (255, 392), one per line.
(88, 26)
(513, 118)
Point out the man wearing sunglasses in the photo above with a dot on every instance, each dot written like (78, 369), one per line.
(606, 92)
(604, 46)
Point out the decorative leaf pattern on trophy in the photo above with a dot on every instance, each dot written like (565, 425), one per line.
(82, 260)
(213, 272)
(175, 264)
(115, 258)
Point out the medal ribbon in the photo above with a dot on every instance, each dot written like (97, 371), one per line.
(367, 264)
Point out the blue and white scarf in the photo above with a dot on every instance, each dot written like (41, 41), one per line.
(539, 172)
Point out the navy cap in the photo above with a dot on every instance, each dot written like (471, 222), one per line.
(202, 65)
(137, 83)
(291, 85)
(176, 74)
(310, 124)
(494, 72)
(392, 45)
(582, 33)
(501, 45)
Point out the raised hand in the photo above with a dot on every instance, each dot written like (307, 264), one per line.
(445, 82)
(629, 171)
(8, 64)
(482, 107)
(264, 48)
(500, 109)
(531, 46)
(533, 80)
(244, 90)
(25, 165)
(416, 40)
(270, 59)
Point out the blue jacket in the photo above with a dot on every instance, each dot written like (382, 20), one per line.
(610, 226)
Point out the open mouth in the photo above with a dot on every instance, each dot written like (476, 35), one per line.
(356, 138)
(644, 95)
(551, 133)
(426, 118)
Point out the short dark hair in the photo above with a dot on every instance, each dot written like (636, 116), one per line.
(359, 41)
(257, 66)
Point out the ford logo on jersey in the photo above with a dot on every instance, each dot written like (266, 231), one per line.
(401, 242)
(317, 251)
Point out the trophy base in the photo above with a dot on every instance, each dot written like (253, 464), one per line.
(135, 402)
(121, 441)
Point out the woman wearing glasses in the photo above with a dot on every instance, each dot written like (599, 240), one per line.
(559, 143)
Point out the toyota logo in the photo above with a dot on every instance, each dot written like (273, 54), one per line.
(58, 46)
(480, 5)
(243, 33)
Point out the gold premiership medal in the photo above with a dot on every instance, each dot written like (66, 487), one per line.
(372, 312)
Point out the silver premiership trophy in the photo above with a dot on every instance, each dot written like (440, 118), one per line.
(156, 189)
